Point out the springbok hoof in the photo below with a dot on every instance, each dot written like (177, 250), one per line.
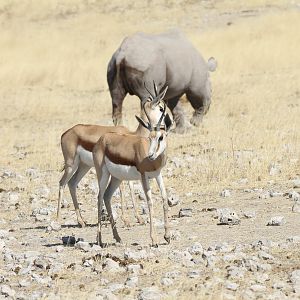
(167, 239)
(82, 224)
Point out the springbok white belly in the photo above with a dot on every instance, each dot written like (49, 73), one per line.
(85, 156)
(125, 172)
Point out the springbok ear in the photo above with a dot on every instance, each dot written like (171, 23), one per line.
(163, 93)
(142, 122)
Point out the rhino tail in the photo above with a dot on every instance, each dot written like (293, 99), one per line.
(212, 64)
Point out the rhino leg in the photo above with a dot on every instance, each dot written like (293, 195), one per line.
(200, 102)
(178, 112)
(117, 96)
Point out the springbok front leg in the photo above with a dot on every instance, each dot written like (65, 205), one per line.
(138, 217)
(113, 185)
(160, 182)
(146, 187)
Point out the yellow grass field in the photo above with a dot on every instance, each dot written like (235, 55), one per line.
(53, 60)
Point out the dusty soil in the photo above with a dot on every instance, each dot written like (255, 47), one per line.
(53, 76)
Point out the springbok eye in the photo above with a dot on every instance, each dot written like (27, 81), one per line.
(161, 109)
(160, 138)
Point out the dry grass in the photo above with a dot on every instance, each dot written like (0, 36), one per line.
(53, 65)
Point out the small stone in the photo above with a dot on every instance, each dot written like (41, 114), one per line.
(59, 249)
(265, 195)
(232, 286)
(194, 274)
(178, 256)
(173, 200)
(296, 207)
(294, 239)
(196, 249)
(136, 255)
(295, 279)
(225, 193)
(265, 256)
(275, 194)
(54, 226)
(296, 183)
(166, 281)
(257, 288)
(68, 240)
(32, 173)
(88, 263)
(134, 268)
(276, 221)
(295, 196)
(175, 235)
(43, 192)
(7, 291)
(274, 169)
(24, 283)
(228, 217)
(132, 281)
(2, 245)
(41, 263)
(4, 234)
(112, 266)
(249, 214)
(172, 274)
(185, 212)
(85, 246)
(150, 293)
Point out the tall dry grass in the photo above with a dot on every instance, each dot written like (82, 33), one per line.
(53, 69)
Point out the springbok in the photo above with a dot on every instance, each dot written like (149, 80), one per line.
(119, 157)
(77, 144)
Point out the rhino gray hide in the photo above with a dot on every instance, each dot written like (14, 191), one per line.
(167, 59)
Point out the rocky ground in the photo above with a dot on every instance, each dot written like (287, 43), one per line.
(219, 250)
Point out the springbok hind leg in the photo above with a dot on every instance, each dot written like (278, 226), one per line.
(69, 171)
(113, 185)
(138, 217)
(123, 214)
(146, 187)
(74, 181)
(161, 185)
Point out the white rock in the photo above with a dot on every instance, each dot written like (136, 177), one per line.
(228, 216)
(295, 279)
(173, 200)
(4, 234)
(85, 246)
(13, 197)
(249, 214)
(257, 288)
(54, 226)
(175, 235)
(265, 195)
(112, 266)
(172, 274)
(114, 287)
(177, 255)
(59, 249)
(166, 281)
(194, 274)
(185, 212)
(275, 194)
(2, 245)
(132, 281)
(276, 221)
(31, 172)
(274, 169)
(7, 291)
(296, 183)
(265, 256)
(295, 196)
(231, 286)
(150, 293)
(134, 268)
(296, 207)
(43, 192)
(137, 255)
(24, 283)
(225, 193)
(196, 249)
(294, 239)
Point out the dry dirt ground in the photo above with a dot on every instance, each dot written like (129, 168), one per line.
(244, 157)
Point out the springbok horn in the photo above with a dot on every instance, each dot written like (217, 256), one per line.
(150, 125)
(155, 89)
(151, 96)
(162, 116)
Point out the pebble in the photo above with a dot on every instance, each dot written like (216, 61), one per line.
(295, 279)
(228, 217)
(296, 183)
(232, 286)
(257, 288)
(249, 214)
(276, 221)
(54, 226)
(32, 173)
(225, 193)
(294, 239)
(134, 268)
(85, 246)
(274, 169)
(185, 212)
(196, 249)
(132, 281)
(295, 196)
(150, 293)
(166, 281)
(112, 266)
(194, 274)
(7, 291)
(275, 194)
(173, 200)
(296, 207)
(265, 195)
(137, 255)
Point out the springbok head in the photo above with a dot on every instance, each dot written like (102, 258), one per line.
(160, 122)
